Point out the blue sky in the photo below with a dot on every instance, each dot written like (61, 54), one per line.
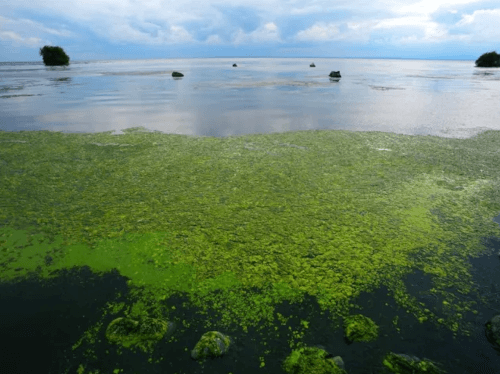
(152, 29)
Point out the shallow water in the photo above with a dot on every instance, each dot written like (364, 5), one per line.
(261, 95)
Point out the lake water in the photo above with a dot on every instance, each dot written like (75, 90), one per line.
(261, 95)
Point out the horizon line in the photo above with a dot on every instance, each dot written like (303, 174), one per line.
(244, 57)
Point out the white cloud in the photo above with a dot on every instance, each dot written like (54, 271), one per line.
(214, 39)
(319, 32)
(12, 36)
(426, 7)
(125, 33)
(482, 25)
(27, 32)
(306, 10)
(266, 33)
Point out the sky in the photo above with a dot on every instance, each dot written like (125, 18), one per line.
(157, 29)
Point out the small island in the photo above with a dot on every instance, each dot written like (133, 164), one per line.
(488, 60)
(54, 56)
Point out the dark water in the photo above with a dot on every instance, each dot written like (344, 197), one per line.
(48, 317)
(261, 95)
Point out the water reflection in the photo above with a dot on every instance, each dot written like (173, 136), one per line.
(451, 99)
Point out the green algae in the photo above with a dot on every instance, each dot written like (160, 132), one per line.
(326, 213)
(307, 360)
(359, 328)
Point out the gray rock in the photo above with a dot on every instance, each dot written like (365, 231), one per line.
(337, 359)
(177, 74)
(493, 331)
(211, 344)
(235, 66)
(312, 65)
(335, 74)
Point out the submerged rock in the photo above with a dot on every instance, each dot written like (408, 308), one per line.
(212, 344)
(177, 74)
(493, 331)
(129, 332)
(313, 360)
(405, 364)
(335, 74)
(359, 328)
(312, 65)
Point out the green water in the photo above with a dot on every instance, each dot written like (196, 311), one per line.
(327, 214)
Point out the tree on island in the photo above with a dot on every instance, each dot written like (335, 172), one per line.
(488, 60)
(53, 56)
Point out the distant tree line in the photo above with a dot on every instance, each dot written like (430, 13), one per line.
(54, 56)
(488, 60)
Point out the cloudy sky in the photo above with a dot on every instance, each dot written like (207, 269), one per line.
(135, 29)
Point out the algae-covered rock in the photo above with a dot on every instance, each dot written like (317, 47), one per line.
(359, 328)
(177, 74)
(313, 360)
(212, 344)
(404, 364)
(493, 331)
(129, 332)
(335, 74)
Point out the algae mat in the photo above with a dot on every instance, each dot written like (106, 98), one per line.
(238, 225)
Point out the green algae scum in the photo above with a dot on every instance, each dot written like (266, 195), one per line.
(158, 253)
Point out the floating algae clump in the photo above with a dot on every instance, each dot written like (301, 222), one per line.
(404, 364)
(359, 328)
(311, 361)
(211, 344)
(129, 332)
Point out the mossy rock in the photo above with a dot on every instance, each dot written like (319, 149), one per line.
(130, 332)
(359, 328)
(212, 344)
(492, 331)
(311, 360)
(177, 74)
(404, 364)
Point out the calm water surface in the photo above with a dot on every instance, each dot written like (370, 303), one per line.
(261, 95)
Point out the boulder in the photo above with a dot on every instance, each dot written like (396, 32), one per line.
(312, 65)
(131, 332)
(308, 360)
(212, 344)
(335, 74)
(235, 66)
(493, 331)
(405, 364)
(177, 74)
(359, 328)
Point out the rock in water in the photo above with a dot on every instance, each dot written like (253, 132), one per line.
(493, 331)
(177, 74)
(235, 66)
(312, 65)
(211, 344)
(335, 74)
